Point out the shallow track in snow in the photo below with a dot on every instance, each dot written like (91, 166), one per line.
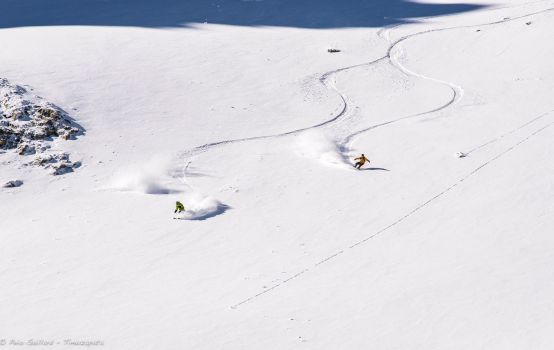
(325, 79)
(399, 220)
(457, 93)
(496, 139)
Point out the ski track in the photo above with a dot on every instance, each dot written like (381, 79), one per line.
(399, 220)
(457, 94)
(457, 91)
(496, 139)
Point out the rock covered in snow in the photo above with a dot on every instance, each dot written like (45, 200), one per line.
(58, 162)
(64, 167)
(29, 125)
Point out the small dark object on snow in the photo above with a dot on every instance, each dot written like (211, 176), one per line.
(65, 167)
(461, 154)
(333, 50)
(179, 207)
(478, 30)
(13, 183)
(528, 23)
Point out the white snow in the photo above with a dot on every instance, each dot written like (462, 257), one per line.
(318, 146)
(250, 123)
(151, 177)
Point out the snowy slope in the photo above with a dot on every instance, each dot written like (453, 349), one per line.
(253, 125)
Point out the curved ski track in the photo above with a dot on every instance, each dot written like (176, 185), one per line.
(407, 215)
(392, 57)
(457, 93)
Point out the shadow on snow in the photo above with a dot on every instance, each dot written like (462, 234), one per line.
(204, 215)
(185, 13)
(383, 169)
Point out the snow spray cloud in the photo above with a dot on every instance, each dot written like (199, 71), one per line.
(150, 178)
(318, 146)
(199, 207)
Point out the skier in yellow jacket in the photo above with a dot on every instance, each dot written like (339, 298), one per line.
(179, 207)
(360, 161)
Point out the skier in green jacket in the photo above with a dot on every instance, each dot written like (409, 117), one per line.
(179, 207)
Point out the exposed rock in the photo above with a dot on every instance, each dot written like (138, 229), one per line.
(29, 124)
(45, 159)
(59, 163)
(25, 149)
(64, 167)
(13, 183)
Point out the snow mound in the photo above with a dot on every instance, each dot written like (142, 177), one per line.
(202, 208)
(151, 177)
(318, 146)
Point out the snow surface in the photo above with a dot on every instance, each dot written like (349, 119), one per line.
(253, 125)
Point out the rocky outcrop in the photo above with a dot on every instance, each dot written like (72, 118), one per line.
(29, 125)
(59, 163)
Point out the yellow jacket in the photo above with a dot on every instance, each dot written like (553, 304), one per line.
(362, 160)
